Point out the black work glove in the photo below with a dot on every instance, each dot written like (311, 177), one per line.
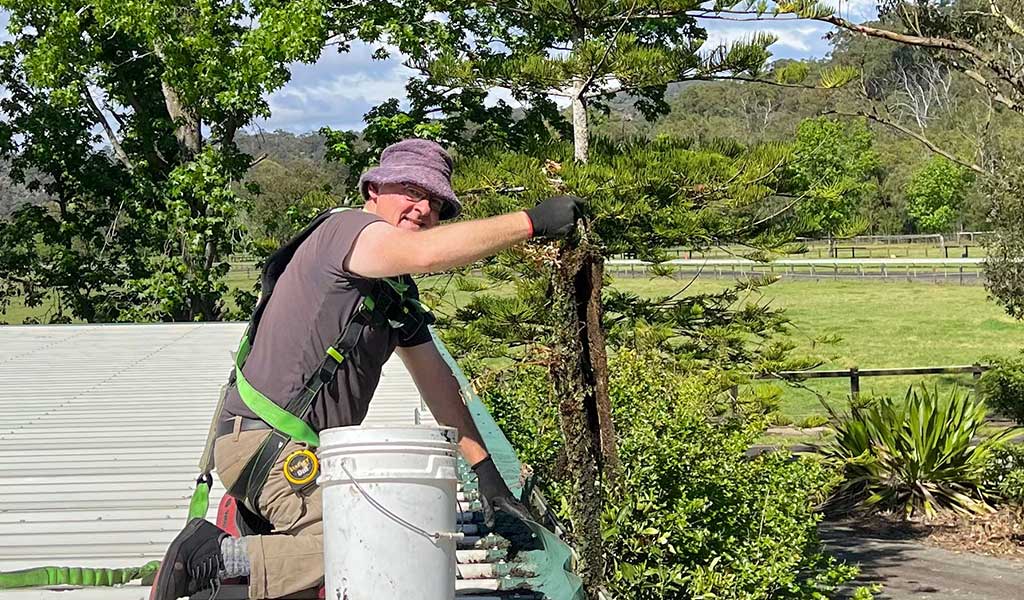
(495, 495)
(555, 217)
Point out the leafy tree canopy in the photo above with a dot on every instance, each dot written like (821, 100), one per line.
(125, 115)
(935, 194)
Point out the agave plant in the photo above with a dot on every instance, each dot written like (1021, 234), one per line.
(916, 456)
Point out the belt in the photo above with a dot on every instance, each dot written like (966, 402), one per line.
(226, 427)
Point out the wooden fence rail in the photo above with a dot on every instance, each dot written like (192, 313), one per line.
(854, 374)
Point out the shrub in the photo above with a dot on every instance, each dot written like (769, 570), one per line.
(779, 419)
(914, 456)
(1002, 388)
(692, 516)
(813, 421)
(1004, 472)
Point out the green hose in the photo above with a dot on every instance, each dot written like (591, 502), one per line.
(48, 576)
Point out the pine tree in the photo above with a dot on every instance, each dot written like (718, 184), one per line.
(641, 198)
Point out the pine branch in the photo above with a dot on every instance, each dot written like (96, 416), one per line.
(925, 141)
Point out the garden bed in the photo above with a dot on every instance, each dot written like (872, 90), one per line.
(998, 534)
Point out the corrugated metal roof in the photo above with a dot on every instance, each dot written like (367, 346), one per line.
(101, 427)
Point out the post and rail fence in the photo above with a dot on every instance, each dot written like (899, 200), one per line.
(854, 374)
(937, 270)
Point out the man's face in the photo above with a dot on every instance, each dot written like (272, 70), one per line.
(405, 206)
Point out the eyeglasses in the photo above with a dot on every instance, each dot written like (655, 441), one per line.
(419, 194)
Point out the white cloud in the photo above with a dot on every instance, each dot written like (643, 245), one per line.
(796, 37)
(336, 91)
(855, 9)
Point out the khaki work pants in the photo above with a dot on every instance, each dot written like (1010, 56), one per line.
(290, 561)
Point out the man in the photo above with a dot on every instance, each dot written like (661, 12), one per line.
(319, 293)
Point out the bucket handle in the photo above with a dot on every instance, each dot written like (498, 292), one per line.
(437, 535)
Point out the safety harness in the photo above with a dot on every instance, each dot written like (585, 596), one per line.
(387, 305)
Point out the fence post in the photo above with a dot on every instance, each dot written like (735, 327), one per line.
(976, 375)
(854, 383)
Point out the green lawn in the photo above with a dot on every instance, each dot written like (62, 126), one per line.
(880, 325)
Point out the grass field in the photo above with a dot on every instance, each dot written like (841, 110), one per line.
(880, 324)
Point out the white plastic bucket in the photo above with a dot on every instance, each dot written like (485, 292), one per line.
(389, 512)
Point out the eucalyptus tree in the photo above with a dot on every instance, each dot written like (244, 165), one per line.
(125, 115)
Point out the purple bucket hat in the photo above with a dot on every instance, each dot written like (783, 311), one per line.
(418, 162)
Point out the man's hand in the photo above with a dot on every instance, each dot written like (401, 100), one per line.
(555, 217)
(495, 495)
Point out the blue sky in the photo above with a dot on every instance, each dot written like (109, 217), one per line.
(339, 88)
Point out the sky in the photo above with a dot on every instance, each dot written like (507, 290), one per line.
(339, 89)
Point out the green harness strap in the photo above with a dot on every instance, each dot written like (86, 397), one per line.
(266, 409)
(277, 417)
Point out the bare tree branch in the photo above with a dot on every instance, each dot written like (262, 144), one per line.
(751, 80)
(607, 51)
(260, 159)
(917, 136)
(107, 130)
(1010, 23)
(992, 89)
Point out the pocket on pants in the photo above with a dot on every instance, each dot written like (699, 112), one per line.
(230, 455)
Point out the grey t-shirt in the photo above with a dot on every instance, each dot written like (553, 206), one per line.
(312, 301)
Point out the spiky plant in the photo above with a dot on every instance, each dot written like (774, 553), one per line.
(919, 455)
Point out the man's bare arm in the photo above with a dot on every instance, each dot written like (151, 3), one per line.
(385, 251)
(440, 390)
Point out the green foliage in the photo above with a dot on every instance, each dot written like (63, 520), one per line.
(598, 55)
(1004, 270)
(1004, 473)
(935, 194)
(915, 456)
(1002, 388)
(836, 165)
(692, 517)
(813, 421)
(281, 196)
(124, 114)
(867, 592)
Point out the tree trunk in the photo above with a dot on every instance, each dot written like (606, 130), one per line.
(580, 127)
(188, 127)
(579, 372)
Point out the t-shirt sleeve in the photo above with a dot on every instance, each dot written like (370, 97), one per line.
(414, 336)
(339, 235)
